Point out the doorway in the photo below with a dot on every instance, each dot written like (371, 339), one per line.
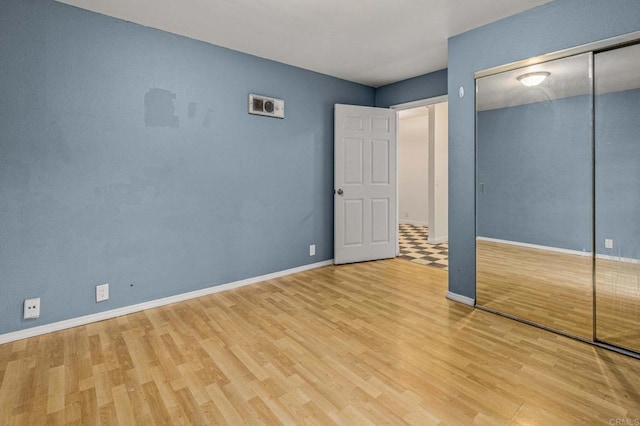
(422, 204)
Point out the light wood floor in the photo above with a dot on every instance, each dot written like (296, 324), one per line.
(371, 343)
(548, 288)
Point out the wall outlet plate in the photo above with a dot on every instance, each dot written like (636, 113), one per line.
(608, 243)
(312, 250)
(32, 308)
(102, 292)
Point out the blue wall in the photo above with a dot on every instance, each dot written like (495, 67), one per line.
(127, 156)
(535, 162)
(413, 89)
(554, 26)
(617, 172)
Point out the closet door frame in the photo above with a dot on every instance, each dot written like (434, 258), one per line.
(593, 48)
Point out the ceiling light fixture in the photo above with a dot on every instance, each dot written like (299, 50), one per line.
(533, 78)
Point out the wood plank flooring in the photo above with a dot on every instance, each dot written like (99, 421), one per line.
(370, 343)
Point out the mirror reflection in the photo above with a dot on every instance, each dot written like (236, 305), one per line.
(535, 194)
(617, 196)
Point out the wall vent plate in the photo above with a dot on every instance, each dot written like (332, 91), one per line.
(264, 105)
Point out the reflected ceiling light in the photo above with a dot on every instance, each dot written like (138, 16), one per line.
(533, 78)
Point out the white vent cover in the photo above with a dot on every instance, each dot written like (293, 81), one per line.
(263, 105)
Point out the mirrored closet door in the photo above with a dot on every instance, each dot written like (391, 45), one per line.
(617, 196)
(534, 197)
(558, 193)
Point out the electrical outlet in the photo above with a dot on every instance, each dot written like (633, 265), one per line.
(32, 308)
(312, 250)
(102, 292)
(608, 243)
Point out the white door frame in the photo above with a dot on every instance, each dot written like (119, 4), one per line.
(431, 184)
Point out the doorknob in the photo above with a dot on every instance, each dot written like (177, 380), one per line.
(340, 192)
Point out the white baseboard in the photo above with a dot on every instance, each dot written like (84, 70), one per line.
(438, 240)
(414, 222)
(461, 299)
(100, 316)
(536, 246)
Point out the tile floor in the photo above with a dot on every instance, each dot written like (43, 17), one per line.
(414, 247)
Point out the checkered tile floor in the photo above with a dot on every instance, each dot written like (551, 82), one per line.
(414, 247)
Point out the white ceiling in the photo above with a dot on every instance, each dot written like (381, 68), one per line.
(374, 42)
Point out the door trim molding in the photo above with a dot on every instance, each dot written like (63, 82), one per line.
(431, 181)
(421, 102)
(608, 43)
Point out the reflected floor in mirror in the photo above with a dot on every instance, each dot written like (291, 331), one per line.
(546, 287)
(618, 303)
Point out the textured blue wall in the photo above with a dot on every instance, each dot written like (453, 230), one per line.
(554, 26)
(413, 89)
(617, 135)
(535, 162)
(127, 156)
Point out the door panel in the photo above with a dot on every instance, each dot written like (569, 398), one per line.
(353, 170)
(353, 211)
(617, 196)
(380, 162)
(365, 184)
(534, 195)
(380, 124)
(380, 221)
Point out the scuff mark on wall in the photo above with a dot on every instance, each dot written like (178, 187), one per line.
(159, 109)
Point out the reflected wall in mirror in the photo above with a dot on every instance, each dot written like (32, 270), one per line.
(617, 196)
(534, 165)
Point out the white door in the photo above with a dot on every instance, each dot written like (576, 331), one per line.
(365, 224)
